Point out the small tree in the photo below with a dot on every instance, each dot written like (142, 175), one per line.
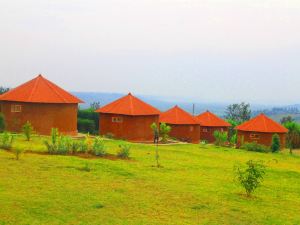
(164, 131)
(250, 176)
(156, 132)
(2, 122)
(293, 135)
(27, 130)
(220, 138)
(275, 147)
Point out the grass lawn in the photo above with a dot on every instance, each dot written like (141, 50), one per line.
(194, 186)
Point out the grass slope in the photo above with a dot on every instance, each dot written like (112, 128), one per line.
(195, 186)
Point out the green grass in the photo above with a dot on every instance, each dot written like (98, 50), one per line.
(194, 186)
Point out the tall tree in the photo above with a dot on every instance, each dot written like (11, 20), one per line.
(95, 105)
(238, 112)
(287, 119)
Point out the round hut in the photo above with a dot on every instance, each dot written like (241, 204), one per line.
(209, 123)
(128, 118)
(261, 130)
(43, 104)
(184, 126)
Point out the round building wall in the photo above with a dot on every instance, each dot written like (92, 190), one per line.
(42, 116)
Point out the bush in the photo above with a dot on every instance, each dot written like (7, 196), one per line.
(27, 130)
(275, 147)
(250, 176)
(220, 138)
(255, 147)
(2, 122)
(124, 151)
(6, 141)
(233, 140)
(61, 145)
(98, 147)
(164, 131)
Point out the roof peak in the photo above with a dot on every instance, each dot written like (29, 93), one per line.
(39, 90)
(129, 105)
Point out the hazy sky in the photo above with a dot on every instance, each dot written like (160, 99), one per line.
(208, 50)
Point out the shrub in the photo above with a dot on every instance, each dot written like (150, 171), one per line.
(275, 147)
(27, 130)
(220, 138)
(54, 135)
(83, 147)
(2, 122)
(250, 176)
(6, 141)
(164, 131)
(233, 140)
(64, 145)
(255, 147)
(98, 147)
(124, 151)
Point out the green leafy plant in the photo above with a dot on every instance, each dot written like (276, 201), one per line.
(98, 147)
(275, 147)
(54, 135)
(2, 122)
(255, 147)
(6, 141)
(250, 176)
(124, 151)
(233, 140)
(27, 130)
(293, 135)
(164, 131)
(220, 138)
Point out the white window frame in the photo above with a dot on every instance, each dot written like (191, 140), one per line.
(16, 108)
(116, 119)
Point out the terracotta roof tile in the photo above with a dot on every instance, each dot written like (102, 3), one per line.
(263, 124)
(39, 90)
(129, 105)
(208, 119)
(176, 115)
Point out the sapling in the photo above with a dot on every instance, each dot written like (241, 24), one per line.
(250, 176)
(27, 130)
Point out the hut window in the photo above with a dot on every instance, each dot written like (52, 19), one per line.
(117, 120)
(191, 128)
(205, 130)
(254, 136)
(16, 108)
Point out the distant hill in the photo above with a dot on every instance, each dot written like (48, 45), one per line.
(164, 103)
(158, 102)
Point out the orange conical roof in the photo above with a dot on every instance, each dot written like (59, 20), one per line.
(262, 123)
(129, 105)
(177, 115)
(208, 119)
(39, 90)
